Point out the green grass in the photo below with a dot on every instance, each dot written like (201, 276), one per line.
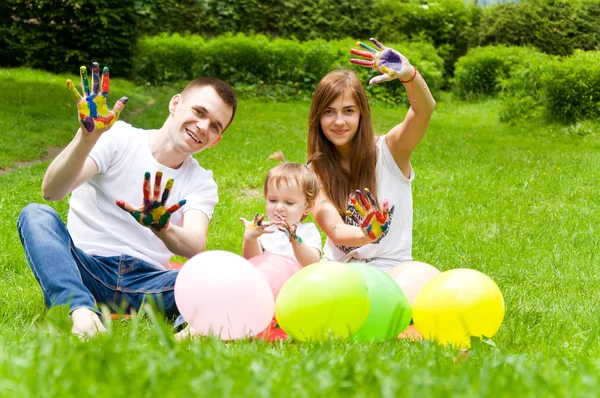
(517, 202)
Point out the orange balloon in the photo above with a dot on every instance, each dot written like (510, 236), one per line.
(411, 276)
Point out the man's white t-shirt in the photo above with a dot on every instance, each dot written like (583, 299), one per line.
(279, 243)
(396, 245)
(99, 227)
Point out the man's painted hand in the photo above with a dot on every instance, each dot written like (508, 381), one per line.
(153, 212)
(388, 61)
(94, 113)
(373, 221)
(256, 227)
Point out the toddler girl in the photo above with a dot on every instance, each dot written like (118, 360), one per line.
(290, 190)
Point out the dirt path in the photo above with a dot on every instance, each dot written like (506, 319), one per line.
(51, 153)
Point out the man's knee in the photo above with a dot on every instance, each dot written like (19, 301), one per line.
(35, 211)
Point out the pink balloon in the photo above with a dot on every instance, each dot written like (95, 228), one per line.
(276, 268)
(411, 276)
(220, 293)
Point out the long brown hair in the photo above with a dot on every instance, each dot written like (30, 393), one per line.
(324, 157)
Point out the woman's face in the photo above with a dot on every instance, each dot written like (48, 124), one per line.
(340, 120)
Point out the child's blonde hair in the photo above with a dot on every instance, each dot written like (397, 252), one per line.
(288, 172)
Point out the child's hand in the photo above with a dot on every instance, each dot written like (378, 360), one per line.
(153, 213)
(374, 222)
(388, 61)
(289, 229)
(94, 114)
(256, 227)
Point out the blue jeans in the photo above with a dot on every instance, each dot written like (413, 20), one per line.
(69, 276)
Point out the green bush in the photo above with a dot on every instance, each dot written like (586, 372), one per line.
(300, 19)
(256, 63)
(445, 23)
(448, 24)
(59, 36)
(572, 87)
(7, 56)
(480, 71)
(552, 26)
(168, 58)
(155, 17)
(522, 93)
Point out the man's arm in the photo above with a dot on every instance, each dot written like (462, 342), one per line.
(70, 168)
(188, 240)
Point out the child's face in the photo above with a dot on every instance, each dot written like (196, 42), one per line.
(287, 201)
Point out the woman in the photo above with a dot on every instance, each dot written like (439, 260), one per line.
(347, 156)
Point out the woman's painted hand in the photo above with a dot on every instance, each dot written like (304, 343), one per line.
(256, 227)
(153, 212)
(373, 221)
(388, 61)
(94, 114)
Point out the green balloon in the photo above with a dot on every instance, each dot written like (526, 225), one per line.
(322, 301)
(390, 311)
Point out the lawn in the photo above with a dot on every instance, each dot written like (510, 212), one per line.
(517, 202)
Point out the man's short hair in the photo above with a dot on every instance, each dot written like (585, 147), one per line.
(225, 91)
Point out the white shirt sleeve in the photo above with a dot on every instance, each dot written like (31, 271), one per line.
(310, 236)
(110, 146)
(203, 198)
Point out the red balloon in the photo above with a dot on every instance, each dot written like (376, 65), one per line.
(273, 332)
(175, 265)
(276, 268)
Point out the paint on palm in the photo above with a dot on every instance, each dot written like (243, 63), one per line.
(153, 212)
(289, 230)
(363, 212)
(388, 61)
(94, 112)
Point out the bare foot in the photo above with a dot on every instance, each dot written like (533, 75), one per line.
(86, 323)
(187, 333)
(411, 333)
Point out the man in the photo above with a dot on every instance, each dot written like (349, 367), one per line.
(104, 255)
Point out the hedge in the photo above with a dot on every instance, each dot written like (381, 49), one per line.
(260, 61)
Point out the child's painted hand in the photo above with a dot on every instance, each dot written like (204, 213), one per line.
(256, 227)
(388, 61)
(153, 212)
(372, 221)
(289, 229)
(94, 114)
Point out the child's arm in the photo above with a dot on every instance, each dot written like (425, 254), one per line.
(304, 254)
(251, 246)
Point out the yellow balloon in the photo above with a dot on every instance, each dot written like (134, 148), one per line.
(458, 304)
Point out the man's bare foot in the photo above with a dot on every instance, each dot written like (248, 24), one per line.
(86, 323)
(411, 333)
(187, 333)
